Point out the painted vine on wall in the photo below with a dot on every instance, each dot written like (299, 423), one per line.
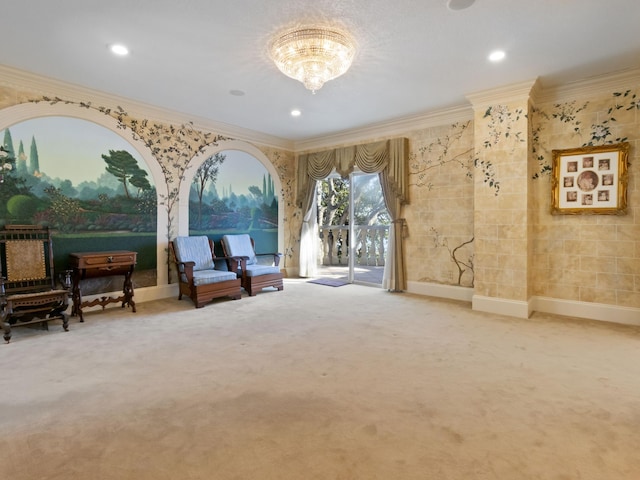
(293, 214)
(436, 154)
(172, 146)
(455, 253)
(439, 153)
(600, 133)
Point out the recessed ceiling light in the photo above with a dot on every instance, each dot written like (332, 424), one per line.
(459, 4)
(295, 112)
(497, 56)
(119, 49)
(236, 93)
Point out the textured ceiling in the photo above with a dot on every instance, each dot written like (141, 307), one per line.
(414, 56)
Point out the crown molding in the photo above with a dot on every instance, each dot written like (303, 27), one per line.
(22, 80)
(533, 90)
(591, 86)
(391, 128)
(516, 92)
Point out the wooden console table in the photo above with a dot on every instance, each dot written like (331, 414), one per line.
(101, 264)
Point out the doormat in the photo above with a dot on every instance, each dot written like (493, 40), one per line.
(331, 282)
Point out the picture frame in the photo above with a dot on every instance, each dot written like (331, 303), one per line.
(590, 180)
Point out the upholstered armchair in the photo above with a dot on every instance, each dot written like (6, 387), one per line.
(257, 271)
(198, 277)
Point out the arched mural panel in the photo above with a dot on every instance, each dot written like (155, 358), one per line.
(232, 192)
(233, 188)
(89, 184)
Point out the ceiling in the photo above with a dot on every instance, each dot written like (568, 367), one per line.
(414, 56)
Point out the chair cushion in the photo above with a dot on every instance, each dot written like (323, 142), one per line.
(240, 246)
(257, 270)
(194, 249)
(205, 277)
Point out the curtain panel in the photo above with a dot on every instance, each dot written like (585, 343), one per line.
(388, 158)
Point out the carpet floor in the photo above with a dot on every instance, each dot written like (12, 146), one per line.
(320, 383)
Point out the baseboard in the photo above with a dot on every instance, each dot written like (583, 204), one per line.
(591, 311)
(451, 292)
(524, 309)
(501, 306)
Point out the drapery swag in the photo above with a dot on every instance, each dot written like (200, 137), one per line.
(389, 159)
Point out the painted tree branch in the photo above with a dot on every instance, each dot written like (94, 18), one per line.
(439, 241)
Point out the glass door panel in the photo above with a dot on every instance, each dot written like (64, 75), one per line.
(369, 229)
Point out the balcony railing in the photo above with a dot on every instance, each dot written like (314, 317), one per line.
(370, 245)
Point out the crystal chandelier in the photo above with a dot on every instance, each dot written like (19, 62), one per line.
(313, 55)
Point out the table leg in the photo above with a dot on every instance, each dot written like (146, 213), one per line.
(76, 308)
(127, 290)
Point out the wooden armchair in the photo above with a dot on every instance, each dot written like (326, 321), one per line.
(242, 259)
(198, 277)
(28, 293)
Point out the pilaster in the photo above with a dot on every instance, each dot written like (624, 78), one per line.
(503, 215)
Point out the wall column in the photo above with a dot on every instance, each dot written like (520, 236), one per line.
(503, 217)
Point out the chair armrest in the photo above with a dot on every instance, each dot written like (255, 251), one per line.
(276, 257)
(188, 269)
(236, 263)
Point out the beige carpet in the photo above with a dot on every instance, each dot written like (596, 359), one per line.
(320, 383)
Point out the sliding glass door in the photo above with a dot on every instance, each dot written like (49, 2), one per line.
(369, 229)
(354, 228)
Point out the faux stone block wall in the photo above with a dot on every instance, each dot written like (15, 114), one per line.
(588, 258)
(501, 217)
(440, 216)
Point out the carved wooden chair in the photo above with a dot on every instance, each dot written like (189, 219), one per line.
(28, 293)
(257, 271)
(198, 277)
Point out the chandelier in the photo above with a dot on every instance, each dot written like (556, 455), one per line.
(313, 55)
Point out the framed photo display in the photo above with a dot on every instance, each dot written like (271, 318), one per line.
(590, 180)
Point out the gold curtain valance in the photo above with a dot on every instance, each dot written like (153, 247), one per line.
(390, 155)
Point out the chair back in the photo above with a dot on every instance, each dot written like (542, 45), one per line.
(26, 259)
(194, 249)
(239, 246)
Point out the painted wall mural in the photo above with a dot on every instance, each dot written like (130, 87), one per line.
(605, 128)
(608, 244)
(442, 165)
(232, 192)
(173, 149)
(85, 182)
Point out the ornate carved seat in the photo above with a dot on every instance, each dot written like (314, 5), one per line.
(28, 293)
(198, 277)
(242, 259)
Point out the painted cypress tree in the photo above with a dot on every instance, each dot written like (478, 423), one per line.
(21, 161)
(34, 161)
(8, 143)
(271, 189)
(265, 195)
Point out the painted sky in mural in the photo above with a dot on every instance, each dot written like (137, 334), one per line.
(240, 170)
(71, 148)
